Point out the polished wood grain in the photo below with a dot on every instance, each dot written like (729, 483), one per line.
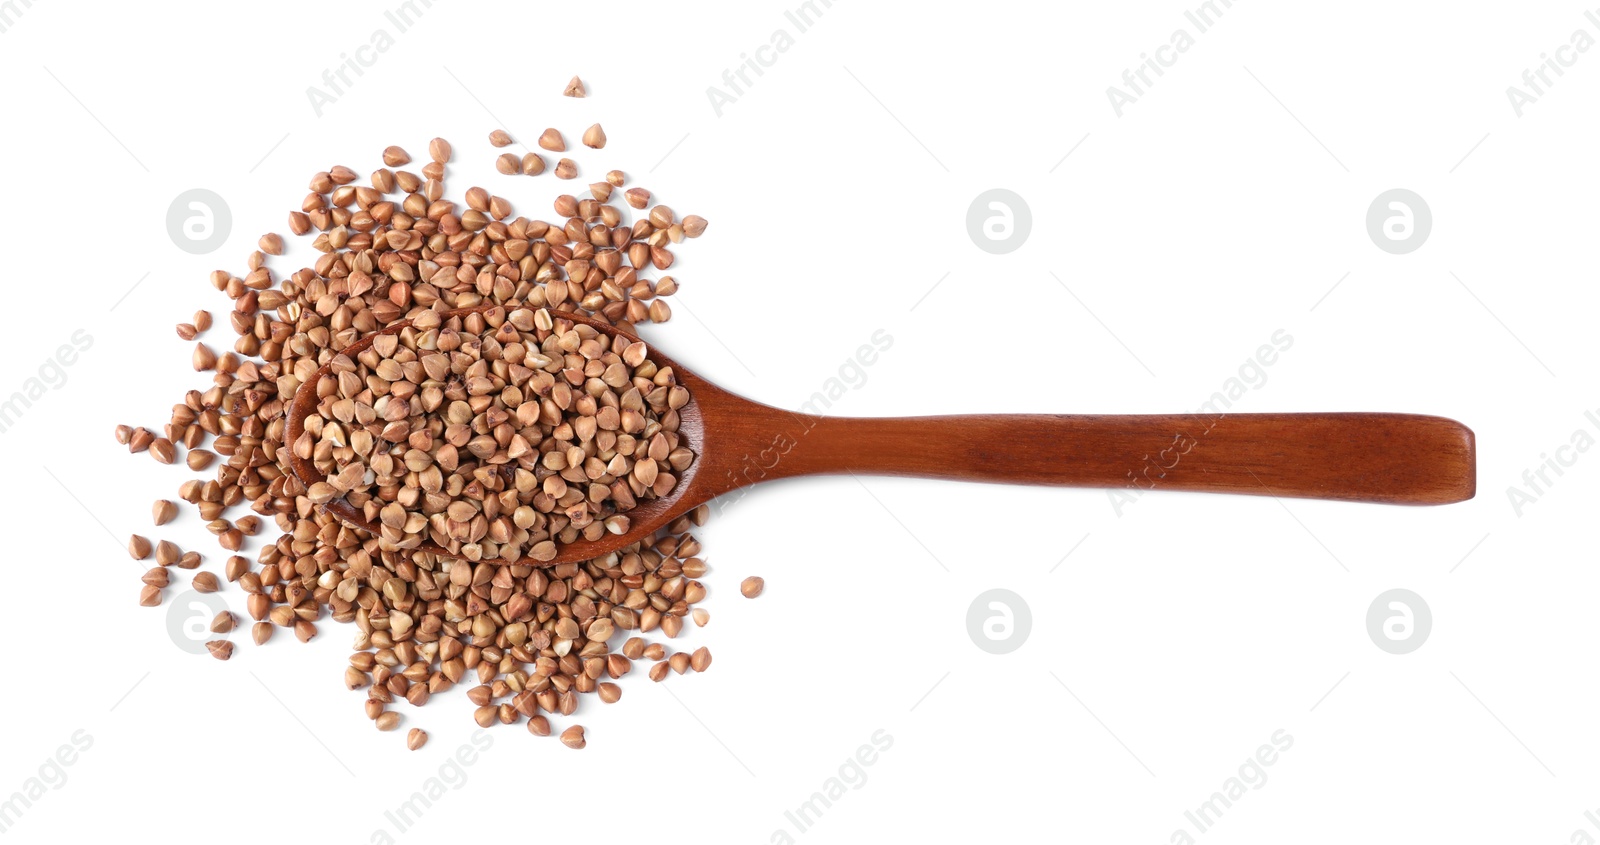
(1359, 457)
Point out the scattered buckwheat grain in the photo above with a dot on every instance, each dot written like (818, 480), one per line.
(501, 434)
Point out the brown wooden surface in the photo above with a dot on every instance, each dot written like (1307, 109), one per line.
(1363, 457)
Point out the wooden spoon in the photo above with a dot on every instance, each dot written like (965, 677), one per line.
(1362, 457)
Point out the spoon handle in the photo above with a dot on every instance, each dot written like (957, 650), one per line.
(1365, 457)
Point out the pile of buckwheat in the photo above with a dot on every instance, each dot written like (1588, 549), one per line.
(492, 435)
(410, 430)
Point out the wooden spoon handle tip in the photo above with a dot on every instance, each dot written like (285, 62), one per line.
(1366, 457)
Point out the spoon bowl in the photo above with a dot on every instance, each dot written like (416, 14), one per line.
(1364, 457)
(645, 518)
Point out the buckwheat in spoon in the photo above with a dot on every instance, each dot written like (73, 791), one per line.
(544, 437)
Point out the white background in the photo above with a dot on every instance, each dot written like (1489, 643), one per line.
(1177, 636)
